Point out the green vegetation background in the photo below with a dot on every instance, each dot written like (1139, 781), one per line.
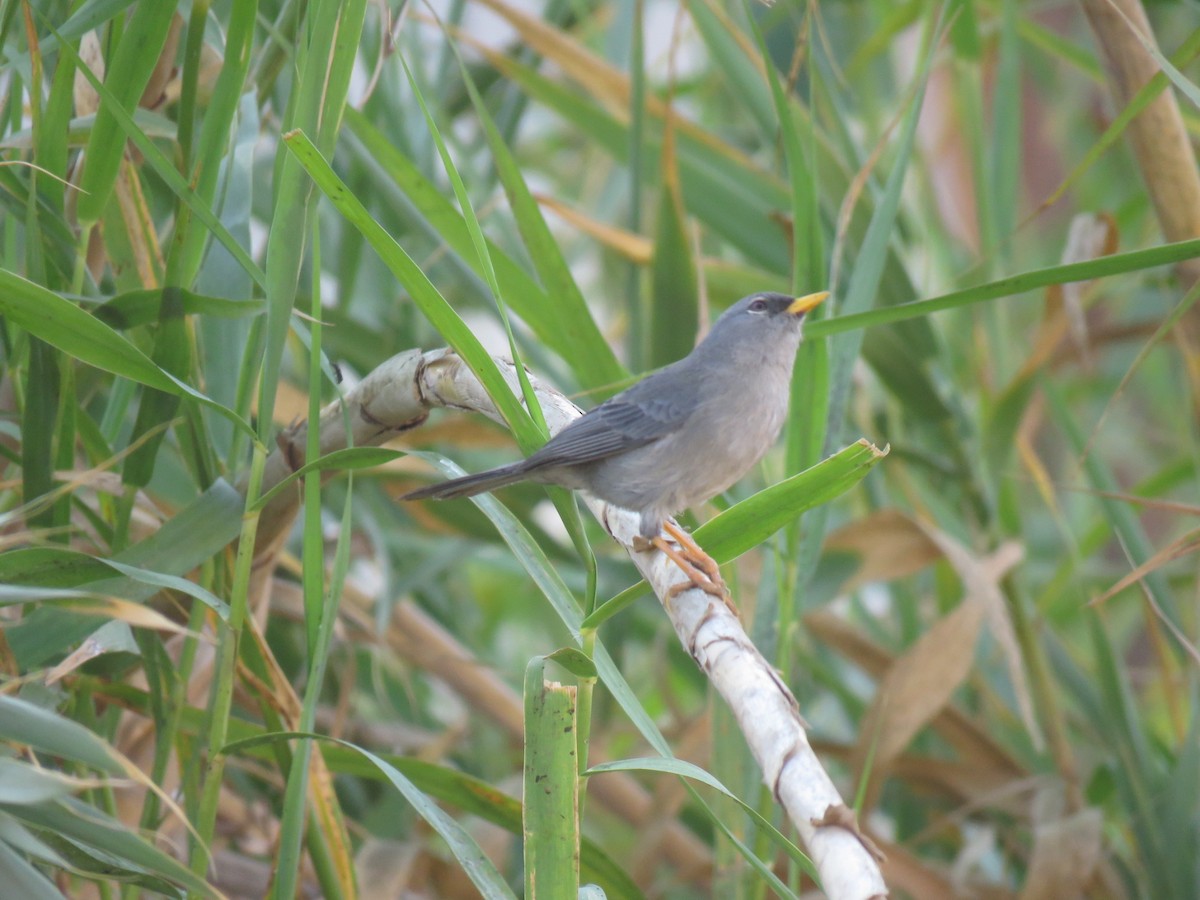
(252, 205)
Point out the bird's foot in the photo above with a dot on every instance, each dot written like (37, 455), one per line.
(695, 554)
(702, 571)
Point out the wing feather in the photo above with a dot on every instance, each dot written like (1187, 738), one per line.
(623, 423)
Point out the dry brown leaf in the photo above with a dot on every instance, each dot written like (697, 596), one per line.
(87, 101)
(89, 649)
(164, 69)
(965, 782)
(889, 545)
(134, 614)
(1188, 543)
(909, 876)
(920, 684)
(981, 579)
(1090, 235)
(600, 79)
(1066, 853)
(139, 224)
(385, 868)
(974, 746)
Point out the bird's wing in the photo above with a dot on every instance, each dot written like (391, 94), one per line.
(623, 423)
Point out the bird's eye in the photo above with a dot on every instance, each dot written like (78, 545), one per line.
(758, 306)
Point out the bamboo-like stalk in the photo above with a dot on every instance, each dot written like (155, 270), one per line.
(1158, 136)
(398, 395)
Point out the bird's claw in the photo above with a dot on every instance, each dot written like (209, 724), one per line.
(702, 571)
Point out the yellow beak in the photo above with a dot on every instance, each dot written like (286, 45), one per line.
(804, 304)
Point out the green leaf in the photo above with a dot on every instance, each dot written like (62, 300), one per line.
(49, 732)
(574, 661)
(748, 523)
(560, 308)
(22, 784)
(93, 828)
(62, 324)
(163, 167)
(184, 541)
(1103, 266)
(22, 879)
(135, 308)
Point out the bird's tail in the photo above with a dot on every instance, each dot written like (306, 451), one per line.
(470, 485)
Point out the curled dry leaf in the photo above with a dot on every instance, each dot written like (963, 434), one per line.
(889, 545)
(1090, 236)
(920, 683)
(164, 72)
(87, 101)
(1066, 853)
(110, 637)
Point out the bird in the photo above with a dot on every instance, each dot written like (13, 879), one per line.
(678, 437)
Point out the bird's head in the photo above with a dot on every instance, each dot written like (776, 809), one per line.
(762, 315)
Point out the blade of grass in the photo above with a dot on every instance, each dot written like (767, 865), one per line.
(731, 197)
(1118, 263)
(1181, 82)
(1121, 516)
(23, 879)
(592, 356)
(1143, 98)
(635, 308)
(88, 825)
(586, 350)
(225, 666)
(524, 294)
(189, 241)
(873, 254)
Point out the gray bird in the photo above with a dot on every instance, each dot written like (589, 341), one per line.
(679, 436)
